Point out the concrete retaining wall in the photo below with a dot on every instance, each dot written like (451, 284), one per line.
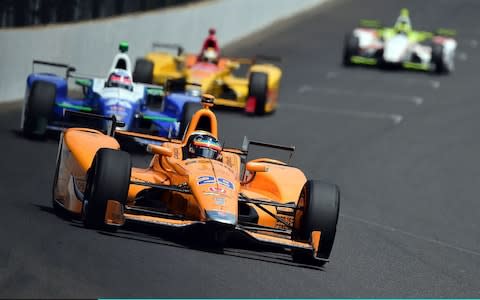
(90, 46)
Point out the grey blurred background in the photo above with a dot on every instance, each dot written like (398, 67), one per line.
(18, 13)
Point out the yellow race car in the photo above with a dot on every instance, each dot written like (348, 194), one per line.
(256, 92)
(196, 182)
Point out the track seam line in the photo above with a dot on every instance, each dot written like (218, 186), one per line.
(417, 100)
(395, 118)
(410, 234)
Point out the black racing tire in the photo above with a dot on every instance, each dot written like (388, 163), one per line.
(189, 109)
(258, 88)
(437, 59)
(350, 48)
(107, 179)
(317, 209)
(143, 71)
(39, 109)
(57, 208)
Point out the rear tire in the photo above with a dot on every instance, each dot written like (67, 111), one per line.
(318, 209)
(350, 48)
(189, 109)
(143, 71)
(258, 88)
(107, 179)
(39, 109)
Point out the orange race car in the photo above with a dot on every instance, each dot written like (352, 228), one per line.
(195, 181)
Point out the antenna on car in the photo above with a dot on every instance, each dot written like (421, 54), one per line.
(123, 46)
(245, 144)
(207, 100)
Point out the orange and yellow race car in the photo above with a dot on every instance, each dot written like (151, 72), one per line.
(256, 91)
(196, 182)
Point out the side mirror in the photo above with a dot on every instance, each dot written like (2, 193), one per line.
(84, 82)
(256, 167)
(160, 150)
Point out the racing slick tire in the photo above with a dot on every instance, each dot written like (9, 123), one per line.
(57, 208)
(258, 89)
(440, 66)
(317, 210)
(39, 109)
(350, 48)
(143, 71)
(107, 179)
(189, 109)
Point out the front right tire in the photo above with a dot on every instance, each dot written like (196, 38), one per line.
(350, 48)
(258, 89)
(441, 66)
(189, 109)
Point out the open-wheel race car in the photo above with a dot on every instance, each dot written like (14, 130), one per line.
(400, 46)
(143, 108)
(256, 91)
(195, 181)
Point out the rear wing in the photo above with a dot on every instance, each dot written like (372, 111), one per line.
(177, 47)
(180, 85)
(369, 23)
(68, 68)
(257, 59)
(445, 32)
(243, 152)
(111, 120)
(246, 147)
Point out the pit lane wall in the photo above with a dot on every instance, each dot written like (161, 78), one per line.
(90, 46)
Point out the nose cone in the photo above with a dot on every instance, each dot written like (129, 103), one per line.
(221, 217)
(395, 49)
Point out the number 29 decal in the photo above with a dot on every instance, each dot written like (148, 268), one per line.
(212, 180)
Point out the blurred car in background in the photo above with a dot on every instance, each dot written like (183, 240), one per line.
(142, 107)
(400, 46)
(255, 91)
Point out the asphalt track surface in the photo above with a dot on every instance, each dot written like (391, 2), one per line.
(403, 146)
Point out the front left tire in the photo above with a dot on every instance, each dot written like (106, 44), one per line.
(317, 210)
(107, 179)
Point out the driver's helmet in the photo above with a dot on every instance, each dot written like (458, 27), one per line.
(403, 24)
(203, 144)
(121, 79)
(210, 55)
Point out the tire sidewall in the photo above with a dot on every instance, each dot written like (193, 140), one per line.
(107, 179)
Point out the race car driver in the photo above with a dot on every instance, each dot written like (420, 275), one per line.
(119, 78)
(203, 144)
(210, 50)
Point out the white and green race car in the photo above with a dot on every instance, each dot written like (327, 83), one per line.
(400, 46)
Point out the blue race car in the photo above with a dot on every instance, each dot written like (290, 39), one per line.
(142, 107)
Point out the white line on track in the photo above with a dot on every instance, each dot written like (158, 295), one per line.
(435, 84)
(472, 43)
(332, 91)
(410, 234)
(395, 118)
(462, 56)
